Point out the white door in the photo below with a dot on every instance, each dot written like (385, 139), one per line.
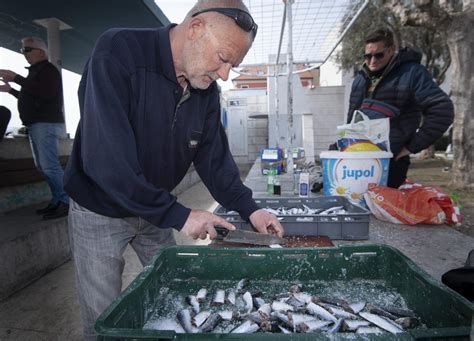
(237, 130)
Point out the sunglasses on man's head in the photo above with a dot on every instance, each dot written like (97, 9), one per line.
(28, 49)
(243, 19)
(376, 55)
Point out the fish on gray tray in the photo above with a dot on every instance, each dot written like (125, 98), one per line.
(265, 311)
(332, 210)
(184, 318)
(281, 306)
(407, 322)
(230, 299)
(369, 330)
(333, 301)
(201, 295)
(258, 301)
(319, 311)
(357, 307)
(229, 315)
(193, 302)
(382, 322)
(280, 317)
(336, 327)
(242, 284)
(352, 325)
(219, 297)
(211, 323)
(247, 297)
(247, 327)
(379, 311)
(311, 326)
(200, 318)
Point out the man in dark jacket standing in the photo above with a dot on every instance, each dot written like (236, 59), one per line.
(40, 104)
(149, 109)
(398, 79)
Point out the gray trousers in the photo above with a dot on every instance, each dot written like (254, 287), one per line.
(98, 243)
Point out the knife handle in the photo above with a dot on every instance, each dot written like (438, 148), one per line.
(221, 232)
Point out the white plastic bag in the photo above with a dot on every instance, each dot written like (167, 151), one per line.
(363, 134)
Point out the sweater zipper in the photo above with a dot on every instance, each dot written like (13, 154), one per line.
(184, 97)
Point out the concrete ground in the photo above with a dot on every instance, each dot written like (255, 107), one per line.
(48, 308)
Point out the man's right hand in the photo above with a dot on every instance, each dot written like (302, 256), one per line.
(201, 223)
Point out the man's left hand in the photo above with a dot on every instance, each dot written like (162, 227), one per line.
(266, 223)
(403, 152)
(7, 75)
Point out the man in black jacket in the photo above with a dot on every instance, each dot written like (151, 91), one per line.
(40, 104)
(398, 79)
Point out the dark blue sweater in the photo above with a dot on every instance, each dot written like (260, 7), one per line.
(134, 143)
(407, 85)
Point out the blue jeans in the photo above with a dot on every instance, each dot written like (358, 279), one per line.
(44, 146)
(98, 243)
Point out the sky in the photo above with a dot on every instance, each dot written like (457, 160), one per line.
(175, 10)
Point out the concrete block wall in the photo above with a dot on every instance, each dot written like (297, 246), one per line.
(327, 107)
(257, 137)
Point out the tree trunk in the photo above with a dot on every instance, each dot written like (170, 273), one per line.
(461, 47)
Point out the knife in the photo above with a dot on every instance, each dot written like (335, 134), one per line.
(246, 237)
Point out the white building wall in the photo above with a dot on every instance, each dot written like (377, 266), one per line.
(327, 107)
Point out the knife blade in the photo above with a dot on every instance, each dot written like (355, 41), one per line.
(247, 237)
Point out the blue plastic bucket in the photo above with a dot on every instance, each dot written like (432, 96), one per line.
(349, 173)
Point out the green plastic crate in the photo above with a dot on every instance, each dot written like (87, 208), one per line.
(446, 314)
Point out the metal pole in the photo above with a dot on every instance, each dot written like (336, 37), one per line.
(289, 64)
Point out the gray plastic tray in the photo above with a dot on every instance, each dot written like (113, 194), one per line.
(354, 225)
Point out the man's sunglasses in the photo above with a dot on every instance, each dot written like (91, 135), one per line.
(376, 55)
(243, 19)
(28, 49)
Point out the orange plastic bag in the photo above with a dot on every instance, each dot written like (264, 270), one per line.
(411, 204)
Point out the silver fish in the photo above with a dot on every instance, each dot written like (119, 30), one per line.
(303, 297)
(219, 297)
(296, 319)
(242, 284)
(319, 311)
(399, 312)
(265, 311)
(310, 326)
(295, 288)
(211, 323)
(247, 297)
(357, 307)
(193, 302)
(336, 327)
(332, 210)
(381, 322)
(354, 324)
(284, 330)
(247, 327)
(254, 317)
(258, 302)
(369, 330)
(281, 317)
(341, 313)
(294, 302)
(200, 318)
(184, 318)
(379, 311)
(229, 315)
(230, 297)
(281, 306)
(201, 295)
(407, 322)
